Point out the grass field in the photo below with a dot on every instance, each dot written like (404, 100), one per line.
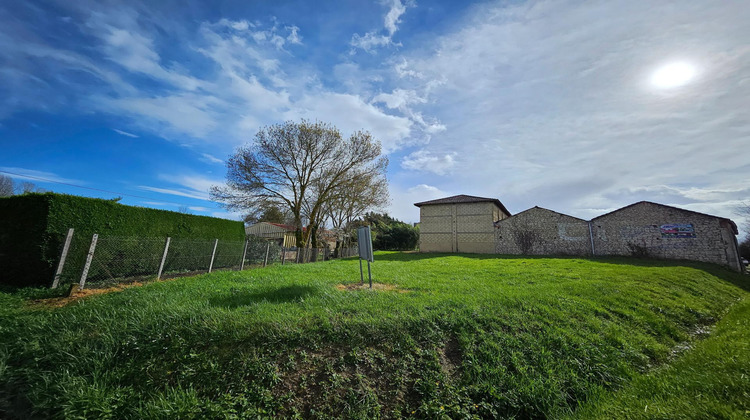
(447, 336)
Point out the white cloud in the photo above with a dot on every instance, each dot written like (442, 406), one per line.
(423, 160)
(402, 200)
(549, 103)
(182, 192)
(294, 37)
(399, 98)
(372, 40)
(211, 158)
(125, 133)
(392, 17)
(37, 176)
(227, 215)
(351, 113)
(187, 185)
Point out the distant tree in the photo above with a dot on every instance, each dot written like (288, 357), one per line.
(6, 186)
(745, 247)
(298, 167)
(744, 211)
(184, 209)
(27, 188)
(389, 233)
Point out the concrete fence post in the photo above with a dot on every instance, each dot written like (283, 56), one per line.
(244, 254)
(265, 260)
(89, 257)
(213, 255)
(63, 255)
(163, 258)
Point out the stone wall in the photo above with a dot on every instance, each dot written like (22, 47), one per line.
(653, 230)
(539, 231)
(643, 229)
(463, 227)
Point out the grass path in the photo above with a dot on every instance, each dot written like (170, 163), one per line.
(453, 336)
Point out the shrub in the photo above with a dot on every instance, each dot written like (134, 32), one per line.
(33, 229)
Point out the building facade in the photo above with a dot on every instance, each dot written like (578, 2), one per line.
(539, 231)
(461, 223)
(654, 230)
(644, 229)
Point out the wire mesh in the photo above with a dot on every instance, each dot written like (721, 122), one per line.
(119, 258)
(127, 259)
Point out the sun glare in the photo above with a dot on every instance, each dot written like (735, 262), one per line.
(673, 75)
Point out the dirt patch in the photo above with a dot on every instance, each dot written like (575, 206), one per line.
(450, 357)
(59, 302)
(375, 286)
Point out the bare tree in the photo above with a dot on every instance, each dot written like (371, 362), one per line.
(6, 186)
(354, 200)
(299, 167)
(27, 188)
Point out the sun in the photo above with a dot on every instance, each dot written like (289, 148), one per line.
(673, 75)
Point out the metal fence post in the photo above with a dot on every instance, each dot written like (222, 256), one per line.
(64, 254)
(213, 254)
(244, 254)
(265, 260)
(89, 257)
(163, 258)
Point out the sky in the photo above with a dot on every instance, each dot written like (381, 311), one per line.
(577, 106)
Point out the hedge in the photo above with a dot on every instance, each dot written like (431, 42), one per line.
(33, 229)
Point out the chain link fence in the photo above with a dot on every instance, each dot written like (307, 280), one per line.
(106, 261)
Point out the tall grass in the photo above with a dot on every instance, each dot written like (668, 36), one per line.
(460, 336)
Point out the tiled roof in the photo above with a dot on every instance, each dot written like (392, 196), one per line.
(462, 199)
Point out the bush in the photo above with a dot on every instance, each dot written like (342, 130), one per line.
(33, 229)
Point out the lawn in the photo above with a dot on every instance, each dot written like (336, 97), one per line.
(451, 336)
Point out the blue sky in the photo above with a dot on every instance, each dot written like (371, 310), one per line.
(549, 103)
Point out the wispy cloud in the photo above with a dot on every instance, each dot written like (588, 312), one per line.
(37, 176)
(125, 133)
(373, 40)
(550, 103)
(181, 192)
(211, 158)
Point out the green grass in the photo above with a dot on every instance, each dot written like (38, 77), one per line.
(461, 336)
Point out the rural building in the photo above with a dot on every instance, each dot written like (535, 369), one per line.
(284, 235)
(659, 231)
(461, 223)
(279, 233)
(539, 231)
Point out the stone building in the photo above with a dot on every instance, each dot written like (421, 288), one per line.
(654, 230)
(464, 223)
(461, 223)
(539, 231)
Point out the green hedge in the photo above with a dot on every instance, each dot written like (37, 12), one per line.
(33, 229)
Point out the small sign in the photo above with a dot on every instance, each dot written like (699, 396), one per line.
(364, 242)
(677, 231)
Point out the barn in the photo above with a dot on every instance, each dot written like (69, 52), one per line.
(660, 231)
(461, 223)
(540, 231)
(464, 223)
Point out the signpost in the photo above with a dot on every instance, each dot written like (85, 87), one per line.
(364, 243)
